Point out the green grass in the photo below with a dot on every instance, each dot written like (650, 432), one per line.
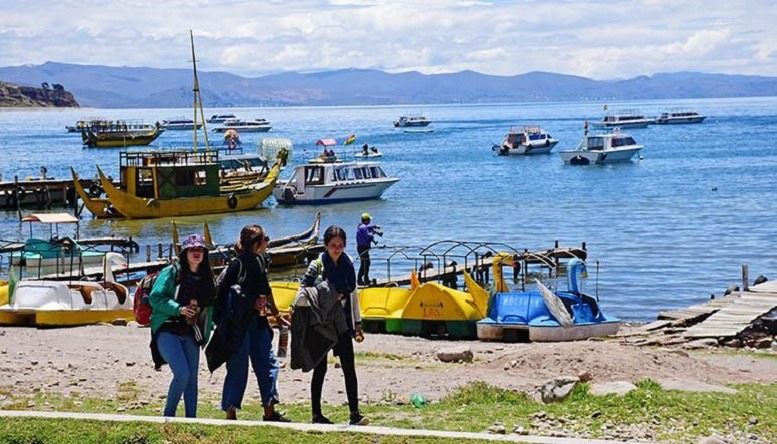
(40, 431)
(659, 414)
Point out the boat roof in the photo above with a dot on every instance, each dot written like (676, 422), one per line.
(51, 218)
(326, 142)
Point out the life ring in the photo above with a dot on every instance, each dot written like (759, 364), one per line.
(95, 190)
(232, 201)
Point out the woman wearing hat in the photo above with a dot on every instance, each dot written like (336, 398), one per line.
(180, 320)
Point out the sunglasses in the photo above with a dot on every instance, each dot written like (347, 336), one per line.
(266, 238)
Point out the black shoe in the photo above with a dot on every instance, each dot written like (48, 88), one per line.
(321, 419)
(358, 419)
(276, 417)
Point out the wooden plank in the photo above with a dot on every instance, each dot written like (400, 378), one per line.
(731, 320)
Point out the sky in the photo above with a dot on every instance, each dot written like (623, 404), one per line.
(599, 39)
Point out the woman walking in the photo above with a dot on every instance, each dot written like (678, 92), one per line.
(180, 321)
(251, 337)
(336, 267)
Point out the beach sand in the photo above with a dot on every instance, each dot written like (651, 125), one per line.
(95, 361)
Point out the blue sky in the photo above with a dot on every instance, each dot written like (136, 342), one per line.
(601, 39)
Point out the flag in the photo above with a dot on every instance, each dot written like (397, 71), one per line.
(351, 139)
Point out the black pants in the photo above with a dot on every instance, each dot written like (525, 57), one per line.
(344, 350)
(364, 265)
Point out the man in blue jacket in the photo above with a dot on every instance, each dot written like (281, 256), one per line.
(365, 237)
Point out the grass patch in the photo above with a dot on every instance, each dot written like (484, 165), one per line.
(39, 431)
(647, 413)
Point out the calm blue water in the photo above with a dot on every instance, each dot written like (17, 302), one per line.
(663, 237)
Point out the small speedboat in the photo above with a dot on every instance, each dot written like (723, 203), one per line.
(545, 316)
(679, 116)
(527, 140)
(179, 124)
(368, 152)
(605, 148)
(411, 121)
(252, 126)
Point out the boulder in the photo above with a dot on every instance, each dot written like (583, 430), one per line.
(455, 354)
(557, 389)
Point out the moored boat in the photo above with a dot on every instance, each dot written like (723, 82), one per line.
(679, 116)
(120, 133)
(411, 122)
(251, 126)
(180, 124)
(526, 140)
(220, 118)
(628, 118)
(604, 148)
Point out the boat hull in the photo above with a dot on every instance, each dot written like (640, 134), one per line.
(525, 150)
(680, 120)
(246, 129)
(340, 192)
(623, 125)
(143, 208)
(598, 157)
(100, 207)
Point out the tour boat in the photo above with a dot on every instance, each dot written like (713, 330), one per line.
(679, 116)
(251, 126)
(624, 119)
(602, 149)
(180, 124)
(220, 118)
(526, 140)
(411, 121)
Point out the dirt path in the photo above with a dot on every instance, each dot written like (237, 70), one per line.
(95, 360)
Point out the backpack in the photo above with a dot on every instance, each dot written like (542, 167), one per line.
(142, 306)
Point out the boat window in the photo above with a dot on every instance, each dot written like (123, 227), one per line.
(367, 174)
(595, 143)
(376, 172)
(357, 172)
(314, 175)
(144, 183)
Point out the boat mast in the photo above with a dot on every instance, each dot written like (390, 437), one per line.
(197, 100)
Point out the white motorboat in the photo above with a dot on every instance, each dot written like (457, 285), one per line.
(333, 181)
(251, 126)
(411, 122)
(679, 116)
(624, 119)
(526, 140)
(220, 118)
(368, 152)
(179, 124)
(606, 148)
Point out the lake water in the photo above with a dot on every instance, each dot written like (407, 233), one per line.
(667, 230)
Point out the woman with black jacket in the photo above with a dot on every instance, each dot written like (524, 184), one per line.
(251, 337)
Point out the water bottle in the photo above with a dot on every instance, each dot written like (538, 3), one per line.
(283, 341)
(261, 305)
(193, 305)
(418, 401)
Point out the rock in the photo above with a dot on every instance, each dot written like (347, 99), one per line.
(753, 420)
(133, 324)
(619, 388)
(558, 389)
(596, 414)
(700, 344)
(455, 354)
(763, 342)
(519, 430)
(337, 364)
(585, 377)
(497, 428)
(130, 363)
(119, 322)
(734, 343)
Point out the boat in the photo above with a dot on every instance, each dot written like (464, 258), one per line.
(100, 207)
(180, 183)
(545, 316)
(180, 124)
(251, 126)
(411, 121)
(679, 116)
(604, 148)
(368, 152)
(120, 133)
(47, 303)
(56, 254)
(220, 118)
(624, 119)
(330, 180)
(526, 140)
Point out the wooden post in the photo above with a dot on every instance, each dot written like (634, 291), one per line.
(555, 261)
(159, 251)
(584, 246)
(148, 253)
(170, 254)
(745, 278)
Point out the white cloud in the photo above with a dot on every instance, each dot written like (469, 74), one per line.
(599, 38)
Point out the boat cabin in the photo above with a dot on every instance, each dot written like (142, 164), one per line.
(606, 142)
(170, 174)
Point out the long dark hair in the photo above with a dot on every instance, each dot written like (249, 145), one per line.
(249, 235)
(332, 232)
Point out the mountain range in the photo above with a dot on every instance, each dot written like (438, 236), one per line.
(138, 87)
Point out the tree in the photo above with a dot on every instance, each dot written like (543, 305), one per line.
(58, 88)
(44, 85)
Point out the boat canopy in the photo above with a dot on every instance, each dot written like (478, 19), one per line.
(326, 142)
(51, 218)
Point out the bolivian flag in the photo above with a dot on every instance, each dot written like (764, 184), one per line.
(351, 139)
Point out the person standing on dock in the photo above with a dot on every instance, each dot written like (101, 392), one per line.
(365, 237)
(180, 321)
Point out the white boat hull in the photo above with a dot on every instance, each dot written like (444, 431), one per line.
(339, 192)
(680, 120)
(525, 150)
(35, 268)
(244, 129)
(496, 332)
(624, 125)
(599, 157)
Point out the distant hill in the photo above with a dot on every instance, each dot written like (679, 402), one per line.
(26, 96)
(128, 87)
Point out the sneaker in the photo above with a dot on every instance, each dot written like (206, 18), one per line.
(321, 419)
(276, 417)
(358, 419)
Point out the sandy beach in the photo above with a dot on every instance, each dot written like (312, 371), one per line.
(95, 361)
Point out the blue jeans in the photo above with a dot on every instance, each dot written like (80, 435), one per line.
(257, 345)
(183, 356)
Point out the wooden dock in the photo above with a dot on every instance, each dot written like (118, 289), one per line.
(738, 313)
